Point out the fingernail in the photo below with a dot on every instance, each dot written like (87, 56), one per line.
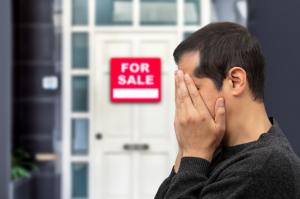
(186, 76)
(179, 72)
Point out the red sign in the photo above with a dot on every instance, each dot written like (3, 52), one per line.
(135, 79)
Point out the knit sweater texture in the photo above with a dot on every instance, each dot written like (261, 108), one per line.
(267, 168)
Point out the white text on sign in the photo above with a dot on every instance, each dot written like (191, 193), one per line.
(138, 77)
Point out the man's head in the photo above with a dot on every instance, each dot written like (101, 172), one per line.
(223, 59)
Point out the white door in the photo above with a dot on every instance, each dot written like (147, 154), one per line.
(134, 144)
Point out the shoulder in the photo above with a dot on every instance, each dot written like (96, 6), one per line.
(275, 156)
(279, 173)
(276, 169)
(271, 159)
(263, 160)
(265, 170)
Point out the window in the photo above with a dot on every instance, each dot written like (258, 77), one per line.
(80, 93)
(80, 129)
(79, 12)
(114, 12)
(80, 50)
(158, 12)
(80, 180)
(186, 34)
(192, 12)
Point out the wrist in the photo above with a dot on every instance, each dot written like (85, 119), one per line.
(178, 160)
(207, 155)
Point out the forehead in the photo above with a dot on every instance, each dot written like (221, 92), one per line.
(188, 62)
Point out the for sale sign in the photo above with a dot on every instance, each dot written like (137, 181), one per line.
(135, 79)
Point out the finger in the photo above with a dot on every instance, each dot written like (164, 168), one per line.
(180, 111)
(195, 95)
(220, 114)
(177, 104)
(176, 88)
(183, 94)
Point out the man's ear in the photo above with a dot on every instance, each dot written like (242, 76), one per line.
(237, 78)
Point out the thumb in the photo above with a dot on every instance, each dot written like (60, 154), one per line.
(220, 114)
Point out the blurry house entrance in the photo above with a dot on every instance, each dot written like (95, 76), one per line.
(136, 148)
(119, 150)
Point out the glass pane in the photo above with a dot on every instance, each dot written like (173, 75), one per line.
(80, 50)
(79, 180)
(114, 12)
(158, 12)
(80, 132)
(80, 93)
(79, 12)
(192, 12)
(187, 34)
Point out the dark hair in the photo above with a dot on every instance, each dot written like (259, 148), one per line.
(222, 46)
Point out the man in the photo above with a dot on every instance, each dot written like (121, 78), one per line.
(228, 146)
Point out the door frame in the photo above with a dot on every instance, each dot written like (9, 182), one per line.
(67, 71)
(171, 37)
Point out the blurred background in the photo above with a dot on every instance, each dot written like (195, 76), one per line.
(62, 137)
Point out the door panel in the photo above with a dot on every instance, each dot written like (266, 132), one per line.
(138, 148)
(118, 178)
(117, 120)
(150, 181)
(116, 48)
(158, 112)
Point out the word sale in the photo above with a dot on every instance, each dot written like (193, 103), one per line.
(139, 74)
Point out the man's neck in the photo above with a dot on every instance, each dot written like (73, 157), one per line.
(247, 124)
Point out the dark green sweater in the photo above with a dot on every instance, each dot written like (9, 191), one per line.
(267, 168)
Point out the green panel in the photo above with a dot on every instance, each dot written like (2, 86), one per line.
(80, 52)
(114, 12)
(186, 34)
(79, 180)
(79, 12)
(80, 135)
(192, 12)
(80, 94)
(158, 12)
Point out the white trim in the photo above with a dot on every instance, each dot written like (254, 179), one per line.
(191, 28)
(79, 72)
(66, 168)
(136, 13)
(68, 72)
(91, 31)
(135, 93)
(180, 18)
(79, 28)
(79, 115)
(80, 158)
(205, 9)
(136, 29)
